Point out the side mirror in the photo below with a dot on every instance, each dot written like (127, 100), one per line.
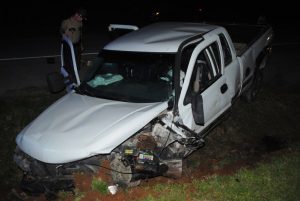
(197, 109)
(55, 82)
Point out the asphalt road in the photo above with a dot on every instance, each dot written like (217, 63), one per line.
(25, 63)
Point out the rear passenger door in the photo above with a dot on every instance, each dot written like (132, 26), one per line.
(204, 94)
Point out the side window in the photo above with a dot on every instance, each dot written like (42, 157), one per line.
(226, 50)
(203, 75)
(185, 59)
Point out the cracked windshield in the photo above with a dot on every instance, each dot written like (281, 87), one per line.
(130, 77)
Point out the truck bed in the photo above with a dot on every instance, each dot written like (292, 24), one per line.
(244, 35)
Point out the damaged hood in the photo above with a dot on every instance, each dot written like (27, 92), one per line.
(76, 127)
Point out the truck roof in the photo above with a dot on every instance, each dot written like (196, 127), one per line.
(158, 37)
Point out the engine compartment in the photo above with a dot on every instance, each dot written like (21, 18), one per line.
(156, 150)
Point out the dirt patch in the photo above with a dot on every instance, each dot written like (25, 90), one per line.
(104, 172)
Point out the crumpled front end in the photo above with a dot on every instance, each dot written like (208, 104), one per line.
(40, 177)
(155, 150)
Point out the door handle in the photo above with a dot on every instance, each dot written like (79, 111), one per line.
(223, 88)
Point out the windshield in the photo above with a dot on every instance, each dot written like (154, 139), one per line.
(130, 77)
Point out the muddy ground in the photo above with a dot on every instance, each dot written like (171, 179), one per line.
(249, 134)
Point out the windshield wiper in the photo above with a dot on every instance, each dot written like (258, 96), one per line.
(82, 90)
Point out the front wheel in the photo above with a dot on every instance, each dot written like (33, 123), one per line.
(121, 172)
(251, 94)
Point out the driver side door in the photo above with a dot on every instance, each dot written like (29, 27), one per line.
(205, 95)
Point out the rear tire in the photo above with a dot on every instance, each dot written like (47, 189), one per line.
(251, 94)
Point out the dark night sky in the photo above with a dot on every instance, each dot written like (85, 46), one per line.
(34, 18)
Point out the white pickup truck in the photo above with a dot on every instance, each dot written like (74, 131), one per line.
(148, 101)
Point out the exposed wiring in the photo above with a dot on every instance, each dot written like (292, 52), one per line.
(115, 170)
(164, 145)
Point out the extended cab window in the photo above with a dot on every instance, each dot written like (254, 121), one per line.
(215, 54)
(205, 72)
(226, 50)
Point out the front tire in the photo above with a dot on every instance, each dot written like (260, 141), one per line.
(122, 174)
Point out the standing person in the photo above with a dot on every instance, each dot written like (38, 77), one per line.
(71, 28)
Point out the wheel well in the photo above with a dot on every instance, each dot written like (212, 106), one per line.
(262, 55)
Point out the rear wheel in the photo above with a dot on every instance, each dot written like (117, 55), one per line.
(251, 94)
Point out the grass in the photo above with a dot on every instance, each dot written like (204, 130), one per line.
(171, 192)
(99, 185)
(17, 109)
(235, 139)
(275, 181)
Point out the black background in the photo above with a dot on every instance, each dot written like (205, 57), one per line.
(38, 18)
